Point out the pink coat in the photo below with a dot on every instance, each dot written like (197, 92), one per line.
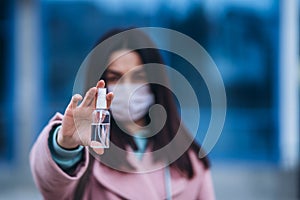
(106, 183)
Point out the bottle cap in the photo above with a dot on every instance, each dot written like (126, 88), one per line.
(101, 99)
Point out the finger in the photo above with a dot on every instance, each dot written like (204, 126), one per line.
(109, 98)
(100, 84)
(74, 101)
(89, 97)
(99, 151)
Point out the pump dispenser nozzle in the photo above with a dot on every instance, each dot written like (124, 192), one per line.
(101, 99)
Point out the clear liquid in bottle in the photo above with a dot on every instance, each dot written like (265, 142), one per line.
(100, 135)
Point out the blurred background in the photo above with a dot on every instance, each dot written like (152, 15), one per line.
(254, 43)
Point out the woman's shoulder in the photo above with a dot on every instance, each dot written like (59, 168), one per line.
(198, 164)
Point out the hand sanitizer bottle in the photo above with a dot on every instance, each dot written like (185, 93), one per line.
(100, 122)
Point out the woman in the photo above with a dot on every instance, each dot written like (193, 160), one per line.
(151, 156)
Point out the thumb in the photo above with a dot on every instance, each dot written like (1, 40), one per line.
(99, 151)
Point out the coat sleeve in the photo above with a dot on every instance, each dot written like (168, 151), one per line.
(50, 179)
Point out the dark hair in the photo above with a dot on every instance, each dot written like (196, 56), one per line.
(163, 96)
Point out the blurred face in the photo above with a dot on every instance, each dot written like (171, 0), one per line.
(125, 63)
(126, 77)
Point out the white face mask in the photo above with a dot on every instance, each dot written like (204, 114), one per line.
(131, 101)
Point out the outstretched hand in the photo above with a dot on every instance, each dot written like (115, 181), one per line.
(76, 123)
